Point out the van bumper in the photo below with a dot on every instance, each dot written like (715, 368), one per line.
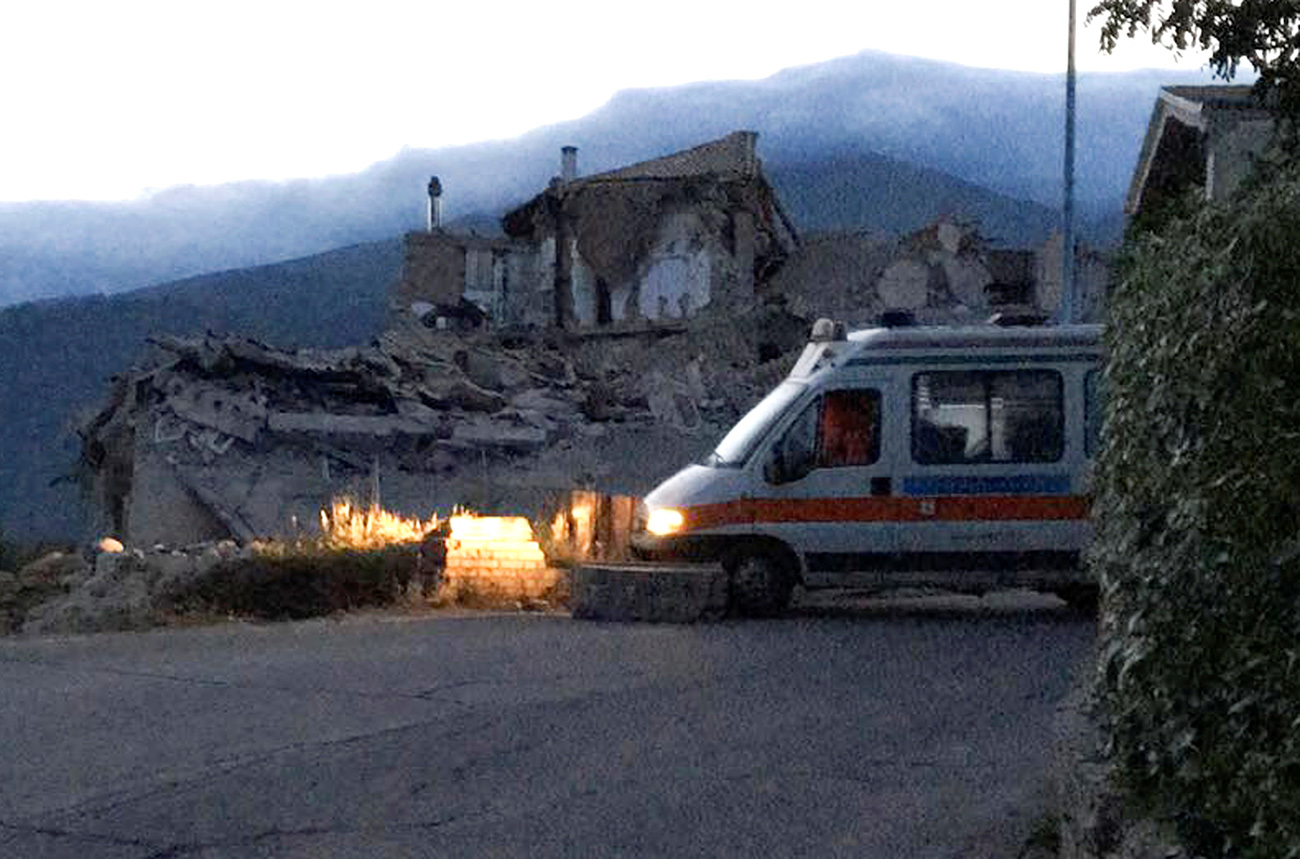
(691, 548)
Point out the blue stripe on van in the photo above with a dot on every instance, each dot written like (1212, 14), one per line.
(1011, 484)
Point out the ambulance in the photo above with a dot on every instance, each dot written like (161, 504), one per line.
(958, 458)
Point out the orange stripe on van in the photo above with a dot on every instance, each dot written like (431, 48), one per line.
(955, 508)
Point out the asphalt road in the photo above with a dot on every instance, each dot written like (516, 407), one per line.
(873, 729)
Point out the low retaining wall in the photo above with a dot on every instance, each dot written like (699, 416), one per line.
(677, 593)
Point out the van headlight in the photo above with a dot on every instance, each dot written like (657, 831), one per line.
(664, 521)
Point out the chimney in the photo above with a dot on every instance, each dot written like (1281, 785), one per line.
(435, 204)
(568, 163)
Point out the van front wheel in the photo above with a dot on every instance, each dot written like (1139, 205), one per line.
(759, 583)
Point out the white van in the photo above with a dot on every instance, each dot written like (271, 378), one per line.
(951, 457)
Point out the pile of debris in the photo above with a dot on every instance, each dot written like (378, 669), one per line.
(226, 438)
(71, 592)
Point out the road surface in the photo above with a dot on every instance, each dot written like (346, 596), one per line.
(877, 729)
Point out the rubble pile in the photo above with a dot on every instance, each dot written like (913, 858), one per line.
(224, 437)
(73, 592)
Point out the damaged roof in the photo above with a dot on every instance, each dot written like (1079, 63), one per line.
(729, 159)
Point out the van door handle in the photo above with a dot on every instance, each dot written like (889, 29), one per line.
(881, 486)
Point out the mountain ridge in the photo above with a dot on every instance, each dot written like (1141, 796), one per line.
(996, 129)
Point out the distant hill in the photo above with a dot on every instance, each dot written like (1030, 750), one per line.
(56, 356)
(994, 129)
(854, 191)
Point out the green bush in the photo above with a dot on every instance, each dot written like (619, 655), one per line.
(301, 581)
(1198, 517)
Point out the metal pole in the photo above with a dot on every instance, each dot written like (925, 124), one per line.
(1067, 237)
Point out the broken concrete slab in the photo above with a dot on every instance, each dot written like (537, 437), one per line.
(231, 412)
(457, 393)
(494, 434)
(324, 423)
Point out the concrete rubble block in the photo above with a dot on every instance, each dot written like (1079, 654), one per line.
(488, 370)
(112, 565)
(79, 613)
(112, 571)
(206, 352)
(54, 571)
(554, 368)
(547, 402)
(678, 593)
(167, 571)
(495, 434)
(420, 413)
(905, 285)
(670, 403)
(459, 393)
(325, 423)
(535, 419)
(231, 412)
(967, 280)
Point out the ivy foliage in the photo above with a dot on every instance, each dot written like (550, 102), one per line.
(1198, 518)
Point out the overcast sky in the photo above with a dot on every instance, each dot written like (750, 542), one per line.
(108, 99)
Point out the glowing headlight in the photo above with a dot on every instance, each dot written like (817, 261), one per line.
(664, 521)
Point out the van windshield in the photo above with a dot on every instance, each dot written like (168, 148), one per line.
(737, 445)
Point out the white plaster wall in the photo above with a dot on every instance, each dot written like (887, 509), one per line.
(675, 286)
(677, 280)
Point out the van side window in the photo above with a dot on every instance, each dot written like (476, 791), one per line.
(849, 428)
(797, 448)
(838, 429)
(987, 416)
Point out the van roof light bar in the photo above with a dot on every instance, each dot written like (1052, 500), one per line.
(828, 330)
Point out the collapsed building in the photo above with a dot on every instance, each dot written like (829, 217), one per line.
(223, 437)
(617, 328)
(654, 242)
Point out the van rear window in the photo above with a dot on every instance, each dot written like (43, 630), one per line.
(984, 416)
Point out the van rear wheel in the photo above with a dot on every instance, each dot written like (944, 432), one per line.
(760, 582)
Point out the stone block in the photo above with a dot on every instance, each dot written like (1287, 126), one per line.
(681, 593)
